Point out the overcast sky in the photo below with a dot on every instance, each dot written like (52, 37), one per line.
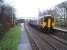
(30, 8)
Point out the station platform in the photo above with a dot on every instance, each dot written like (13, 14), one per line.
(61, 28)
(24, 43)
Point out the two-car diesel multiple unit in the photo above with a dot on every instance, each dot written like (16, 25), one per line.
(45, 23)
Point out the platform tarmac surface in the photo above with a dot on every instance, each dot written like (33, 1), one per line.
(24, 43)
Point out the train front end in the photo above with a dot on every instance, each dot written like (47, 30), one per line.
(47, 23)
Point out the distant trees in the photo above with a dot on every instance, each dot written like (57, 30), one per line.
(7, 17)
(59, 13)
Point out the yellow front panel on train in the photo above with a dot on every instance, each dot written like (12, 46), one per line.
(49, 22)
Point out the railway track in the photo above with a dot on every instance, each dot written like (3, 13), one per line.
(57, 34)
(33, 44)
(45, 39)
(61, 34)
(53, 43)
(39, 42)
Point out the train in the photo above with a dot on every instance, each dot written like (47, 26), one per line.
(45, 23)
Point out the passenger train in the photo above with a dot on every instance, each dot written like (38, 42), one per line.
(45, 23)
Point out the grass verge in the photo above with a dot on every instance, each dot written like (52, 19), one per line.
(11, 39)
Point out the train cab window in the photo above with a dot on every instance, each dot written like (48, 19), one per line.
(45, 18)
(41, 19)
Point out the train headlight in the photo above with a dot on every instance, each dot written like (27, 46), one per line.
(44, 24)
